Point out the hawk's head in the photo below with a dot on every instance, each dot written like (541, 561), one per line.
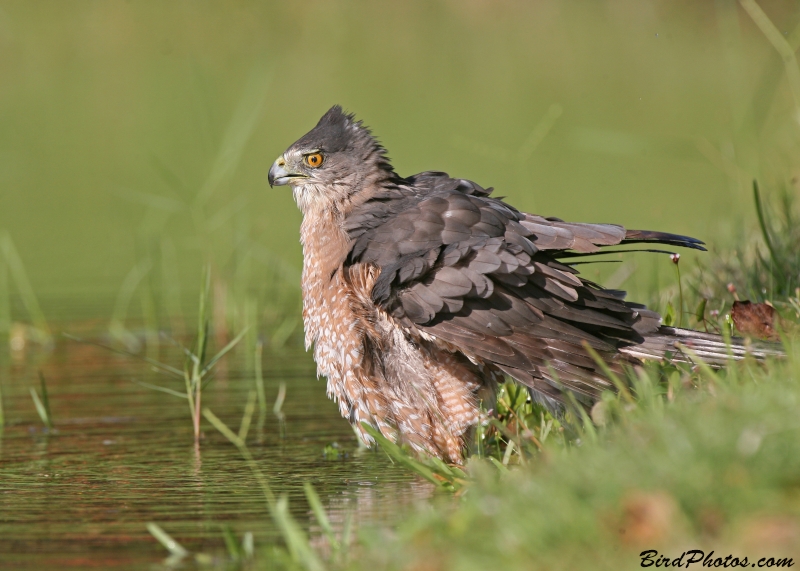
(331, 163)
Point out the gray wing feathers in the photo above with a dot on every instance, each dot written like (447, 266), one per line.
(554, 234)
(466, 268)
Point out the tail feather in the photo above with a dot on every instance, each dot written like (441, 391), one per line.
(709, 347)
(653, 237)
(635, 237)
(665, 343)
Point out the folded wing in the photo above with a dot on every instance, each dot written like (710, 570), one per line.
(473, 272)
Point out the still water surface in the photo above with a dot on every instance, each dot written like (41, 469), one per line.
(121, 455)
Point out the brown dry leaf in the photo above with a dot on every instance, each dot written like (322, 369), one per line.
(755, 319)
(647, 517)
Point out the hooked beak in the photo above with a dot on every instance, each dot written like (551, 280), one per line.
(280, 175)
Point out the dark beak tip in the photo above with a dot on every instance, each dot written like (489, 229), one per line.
(277, 174)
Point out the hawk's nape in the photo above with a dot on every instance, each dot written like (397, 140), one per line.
(421, 293)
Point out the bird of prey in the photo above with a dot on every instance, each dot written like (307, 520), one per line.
(422, 293)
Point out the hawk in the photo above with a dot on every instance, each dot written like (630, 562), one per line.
(422, 293)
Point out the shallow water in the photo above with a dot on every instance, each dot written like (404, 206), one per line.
(121, 455)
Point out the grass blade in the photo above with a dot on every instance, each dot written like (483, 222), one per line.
(781, 45)
(231, 544)
(707, 371)
(117, 324)
(612, 376)
(40, 408)
(166, 540)
(240, 444)
(247, 417)
(5, 300)
(248, 547)
(762, 222)
(319, 513)
(499, 465)
(509, 451)
(401, 457)
(223, 352)
(5, 330)
(199, 354)
(45, 398)
(20, 276)
(347, 533)
(539, 132)
(587, 425)
(161, 389)
(261, 390)
(277, 408)
(296, 539)
(173, 341)
(223, 428)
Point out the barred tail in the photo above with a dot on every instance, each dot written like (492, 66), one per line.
(710, 347)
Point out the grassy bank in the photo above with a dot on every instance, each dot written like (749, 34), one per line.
(710, 463)
(691, 459)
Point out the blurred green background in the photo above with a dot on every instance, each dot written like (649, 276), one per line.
(139, 134)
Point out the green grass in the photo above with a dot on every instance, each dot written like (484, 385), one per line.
(763, 265)
(42, 404)
(710, 462)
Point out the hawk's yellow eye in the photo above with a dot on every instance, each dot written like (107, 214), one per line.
(313, 160)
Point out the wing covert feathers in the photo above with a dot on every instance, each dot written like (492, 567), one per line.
(476, 274)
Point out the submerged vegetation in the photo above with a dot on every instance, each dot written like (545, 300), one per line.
(197, 367)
